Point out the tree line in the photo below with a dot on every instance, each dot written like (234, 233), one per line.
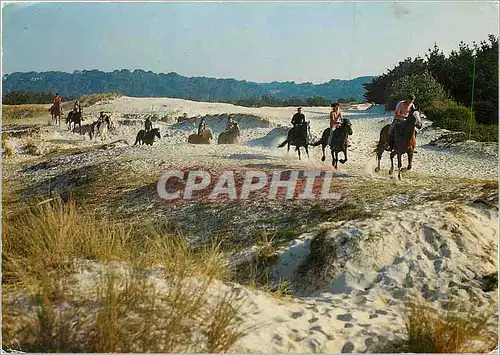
(140, 83)
(440, 79)
(27, 97)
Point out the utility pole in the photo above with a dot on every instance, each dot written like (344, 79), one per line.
(472, 98)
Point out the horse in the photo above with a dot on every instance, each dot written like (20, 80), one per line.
(88, 128)
(102, 128)
(56, 112)
(148, 137)
(339, 142)
(76, 119)
(203, 138)
(230, 137)
(404, 141)
(298, 136)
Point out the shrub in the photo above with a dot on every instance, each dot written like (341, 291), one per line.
(454, 117)
(448, 114)
(484, 133)
(423, 86)
(455, 328)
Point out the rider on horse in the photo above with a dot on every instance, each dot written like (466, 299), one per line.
(148, 125)
(403, 109)
(335, 120)
(201, 127)
(230, 123)
(77, 107)
(56, 102)
(57, 99)
(298, 120)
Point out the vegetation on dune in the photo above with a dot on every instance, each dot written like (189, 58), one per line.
(89, 100)
(46, 243)
(443, 86)
(18, 112)
(455, 327)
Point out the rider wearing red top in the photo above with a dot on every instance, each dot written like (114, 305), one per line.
(57, 99)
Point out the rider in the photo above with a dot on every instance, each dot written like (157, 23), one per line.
(299, 118)
(100, 119)
(77, 107)
(335, 120)
(56, 101)
(148, 125)
(403, 109)
(230, 123)
(201, 126)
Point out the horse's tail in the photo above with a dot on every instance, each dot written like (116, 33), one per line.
(316, 143)
(380, 145)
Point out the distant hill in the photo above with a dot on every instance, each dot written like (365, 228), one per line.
(140, 83)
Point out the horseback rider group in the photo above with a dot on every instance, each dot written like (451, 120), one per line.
(202, 126)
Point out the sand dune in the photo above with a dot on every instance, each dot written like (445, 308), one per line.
(407, 243)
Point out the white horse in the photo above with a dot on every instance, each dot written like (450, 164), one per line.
(103, 127)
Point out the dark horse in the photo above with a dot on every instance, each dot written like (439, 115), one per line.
(339, 137)
(56, 112)
(339, 142)
(404, 141)
(144, 137)
(75, 118)
(298, 137)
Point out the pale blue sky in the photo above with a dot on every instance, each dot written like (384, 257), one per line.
(258, 41)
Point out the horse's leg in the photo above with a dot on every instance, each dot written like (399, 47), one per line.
(379, 157)
(393, 153)
(400, 164)
(323, 158)
(410, 159)
(345, 155)
(298, 151)
(307, 151)
(288, 149)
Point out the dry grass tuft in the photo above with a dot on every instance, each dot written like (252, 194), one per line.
(454, 328)
(31, 147)
(7, 150)
(44, 248)
(13, 113)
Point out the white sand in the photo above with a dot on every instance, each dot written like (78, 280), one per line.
(425, 249)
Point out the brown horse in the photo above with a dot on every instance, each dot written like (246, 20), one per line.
(204, 138)
(230, 137)
(404, 142)
(56, 112)
(339, 142)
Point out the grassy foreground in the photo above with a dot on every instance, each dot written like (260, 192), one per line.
(45, 246)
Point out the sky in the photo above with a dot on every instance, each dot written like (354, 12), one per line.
(254, 41)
